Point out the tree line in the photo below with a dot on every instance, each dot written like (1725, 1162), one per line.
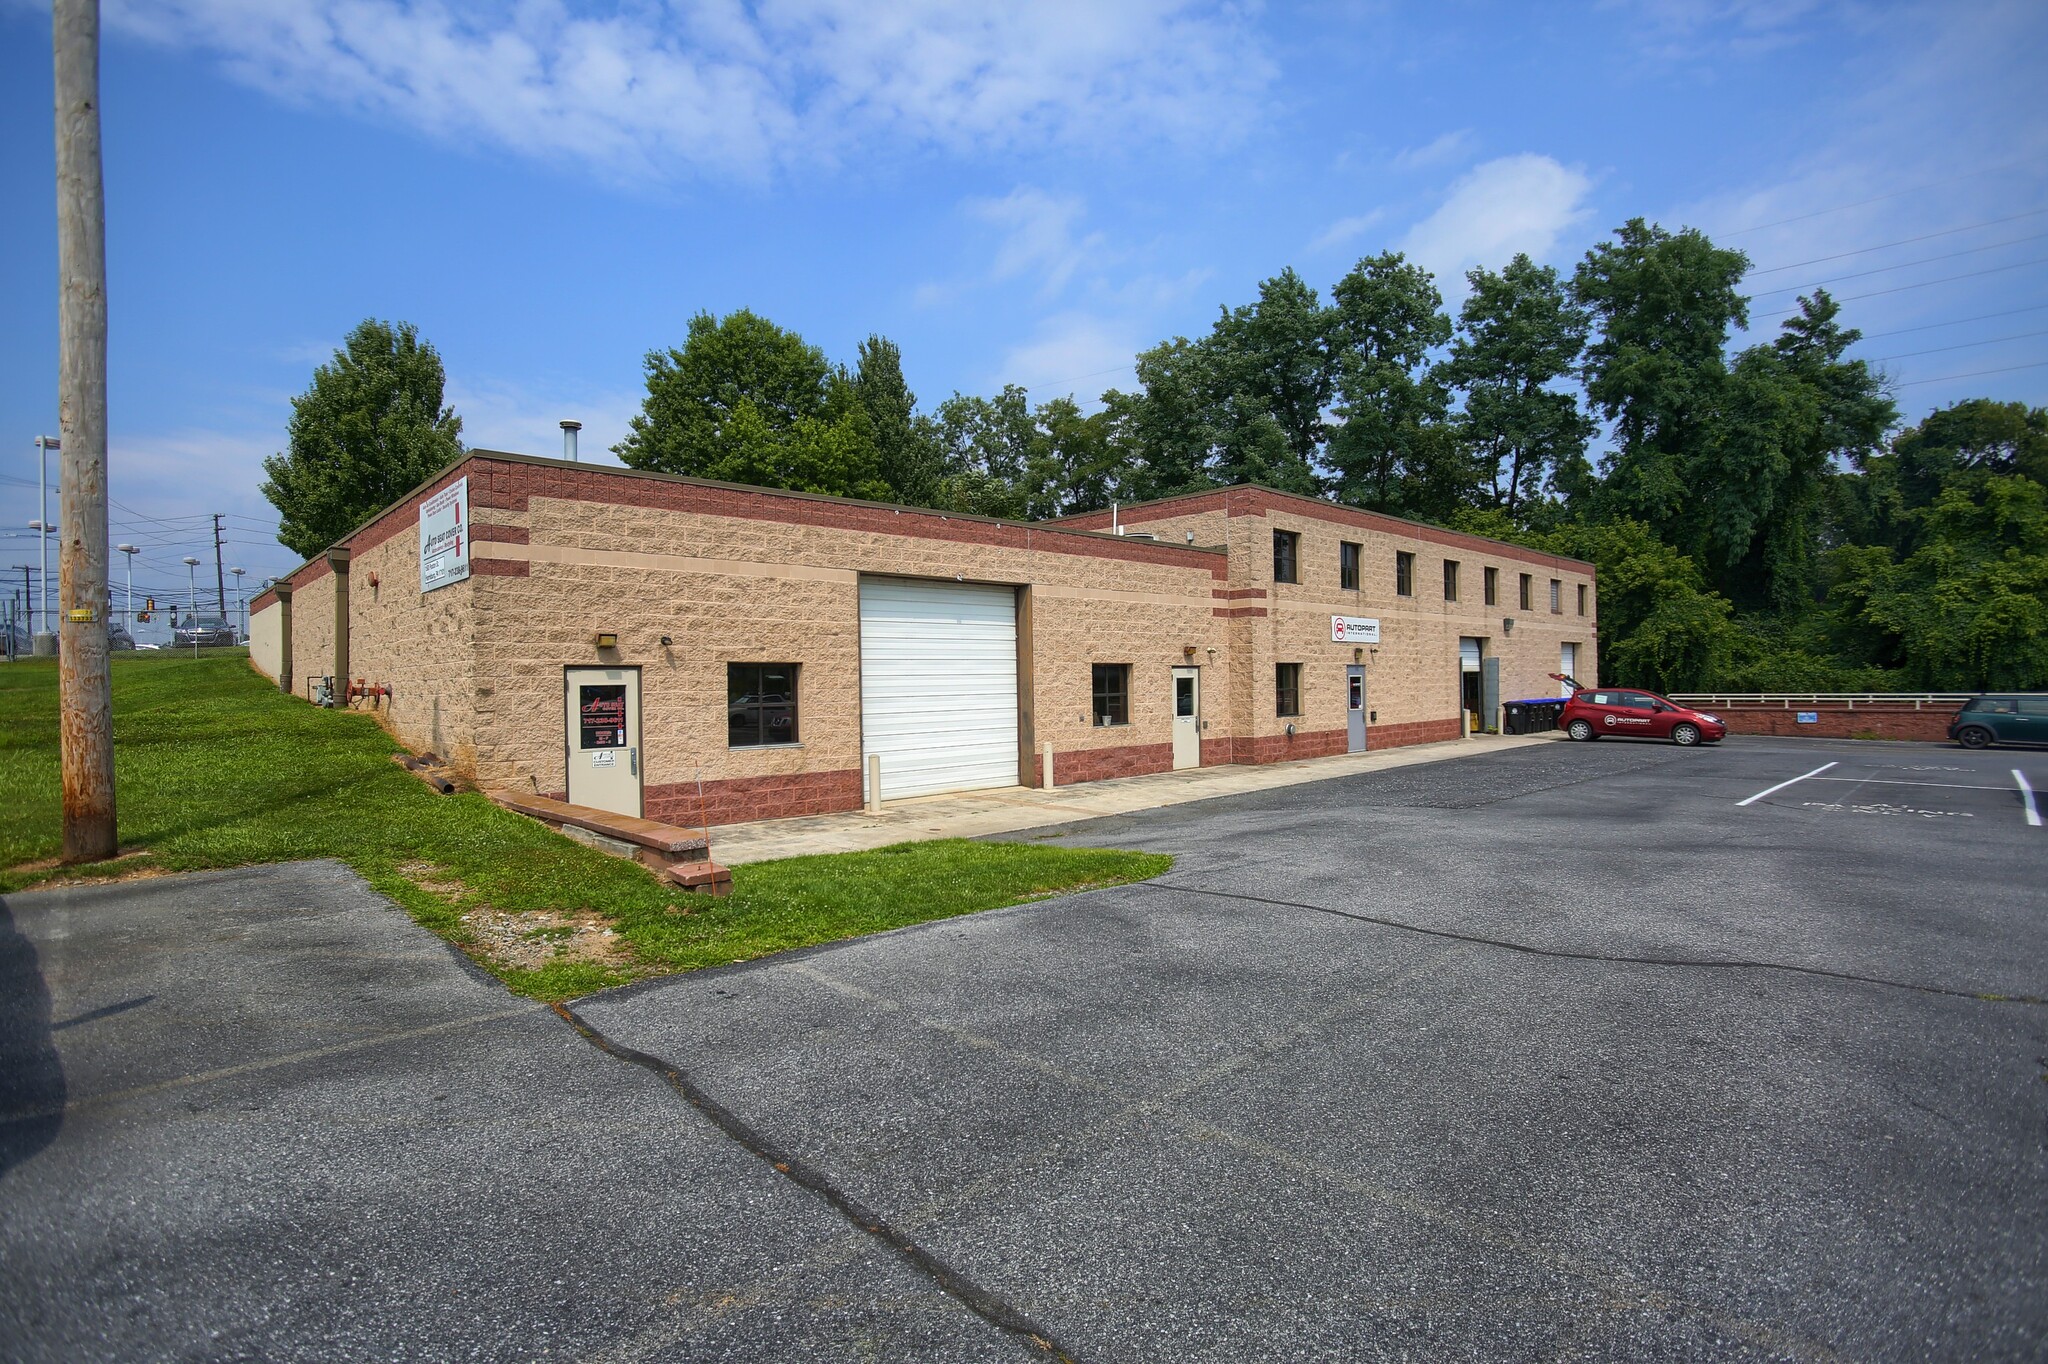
(1760, 519)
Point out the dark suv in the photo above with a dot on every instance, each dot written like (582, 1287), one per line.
(2007, 718)
(204, 632)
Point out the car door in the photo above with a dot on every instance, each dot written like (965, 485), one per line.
(1662, 714)
(2030, 720)
(1636, 714)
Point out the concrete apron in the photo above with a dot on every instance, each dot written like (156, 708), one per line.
(1010, 809)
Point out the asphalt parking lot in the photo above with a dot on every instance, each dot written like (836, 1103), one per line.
(1608, 1051)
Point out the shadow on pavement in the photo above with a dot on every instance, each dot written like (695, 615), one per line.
(32, 1091)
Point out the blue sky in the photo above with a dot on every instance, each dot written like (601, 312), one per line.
(1020, 194)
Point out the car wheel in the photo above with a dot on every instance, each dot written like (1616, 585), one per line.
(1685, 736)
(1974, 737)
(1581, 730)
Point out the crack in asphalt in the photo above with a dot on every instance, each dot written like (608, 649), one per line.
(981, 1301)
(1615, 959)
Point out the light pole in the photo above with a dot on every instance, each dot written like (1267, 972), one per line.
(46, 638)
(192, 603)
(128, 616)
(238, 572)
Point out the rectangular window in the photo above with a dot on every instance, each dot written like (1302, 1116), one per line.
(1493, 587)
(760, 704)
(1404, 573)
(1347, 565)
(1286, 552)
(1582, 599)
(1526, 581)
(1112, 693)
(1450, 580)
(1556, 599)
(1287, 689)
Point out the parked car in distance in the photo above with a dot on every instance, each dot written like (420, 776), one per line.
(2001, 718)
(203, 632)
(119, 638)
(1597, 711)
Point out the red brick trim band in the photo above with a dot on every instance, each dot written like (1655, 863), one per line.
(503, 535)
(1229, 611)
(1236, 593)
(1096, 764)
(739, 800)
(501, 568)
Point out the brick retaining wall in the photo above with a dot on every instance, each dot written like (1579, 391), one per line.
(1837, 720)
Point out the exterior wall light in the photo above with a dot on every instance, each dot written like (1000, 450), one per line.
(1507, 627)
(607, 640)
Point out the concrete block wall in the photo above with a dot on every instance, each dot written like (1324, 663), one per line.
(750, 576)
(1412, 675)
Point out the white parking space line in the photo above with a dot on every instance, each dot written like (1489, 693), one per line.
(1887, 781)
(1783, 784)
(2027, 798)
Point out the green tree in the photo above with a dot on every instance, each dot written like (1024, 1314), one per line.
(370, 429)
(1968, 608)
(1518, 336)
(1393, 449)
(748, 402)
(908, 456)
(1664, 303)
(1790, 412)
(1959, 445)
(1661, 626)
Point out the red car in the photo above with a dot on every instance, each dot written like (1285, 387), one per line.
(1596, 711)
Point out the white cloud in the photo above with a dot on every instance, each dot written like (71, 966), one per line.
(1345, 229)
(659, 86)
(1515, 203)
(1038, 236)
(1452, 146)
(1073, 354)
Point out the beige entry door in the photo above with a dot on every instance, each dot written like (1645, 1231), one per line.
(1187, 718)
(602, 710)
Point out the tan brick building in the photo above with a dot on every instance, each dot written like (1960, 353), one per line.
(620, 636)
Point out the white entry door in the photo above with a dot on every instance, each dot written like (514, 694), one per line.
(1568, 664)
(1187, 718)
(938, 685)
(602, 711)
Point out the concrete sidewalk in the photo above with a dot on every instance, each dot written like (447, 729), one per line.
(1010, 809)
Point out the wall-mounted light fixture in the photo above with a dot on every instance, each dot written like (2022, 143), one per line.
(1358, 653)
(1187, 651)
(666, 641)
(607, 640)
(1507, 627)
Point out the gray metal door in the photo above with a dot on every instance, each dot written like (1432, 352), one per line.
(1354, 714)
(1489, 692)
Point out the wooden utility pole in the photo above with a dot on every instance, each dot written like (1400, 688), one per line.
(85, 699)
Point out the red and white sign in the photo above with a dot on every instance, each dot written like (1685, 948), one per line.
(1354, 630)
(444, 537)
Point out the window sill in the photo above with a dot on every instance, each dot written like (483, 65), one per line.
(1111, 724)
(756, 748)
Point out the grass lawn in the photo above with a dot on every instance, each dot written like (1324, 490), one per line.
(216, 768)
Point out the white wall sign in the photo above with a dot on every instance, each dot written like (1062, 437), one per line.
(1354, 630)
(444, 536)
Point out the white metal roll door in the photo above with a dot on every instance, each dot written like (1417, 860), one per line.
(938, 685)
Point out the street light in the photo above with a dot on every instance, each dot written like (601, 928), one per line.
(42, 529)
(128, 616)
(238, 572)
(192, 604)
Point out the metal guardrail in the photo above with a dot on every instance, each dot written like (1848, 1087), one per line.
(1850, 699)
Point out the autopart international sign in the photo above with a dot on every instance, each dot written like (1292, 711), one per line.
(1354, 630)
(444, 536)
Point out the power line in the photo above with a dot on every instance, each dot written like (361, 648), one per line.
(1956, 321)
(1903, 241)
(1904, 265)
(1896, 194)
(1923, 284)
(1965, 345)
(1975, 374)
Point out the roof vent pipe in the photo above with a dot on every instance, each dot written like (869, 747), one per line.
(569, 430)
(1114, 527)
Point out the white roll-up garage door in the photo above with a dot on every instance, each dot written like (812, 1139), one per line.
(938, 685)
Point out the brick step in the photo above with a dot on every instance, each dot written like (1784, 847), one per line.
(681, 855)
